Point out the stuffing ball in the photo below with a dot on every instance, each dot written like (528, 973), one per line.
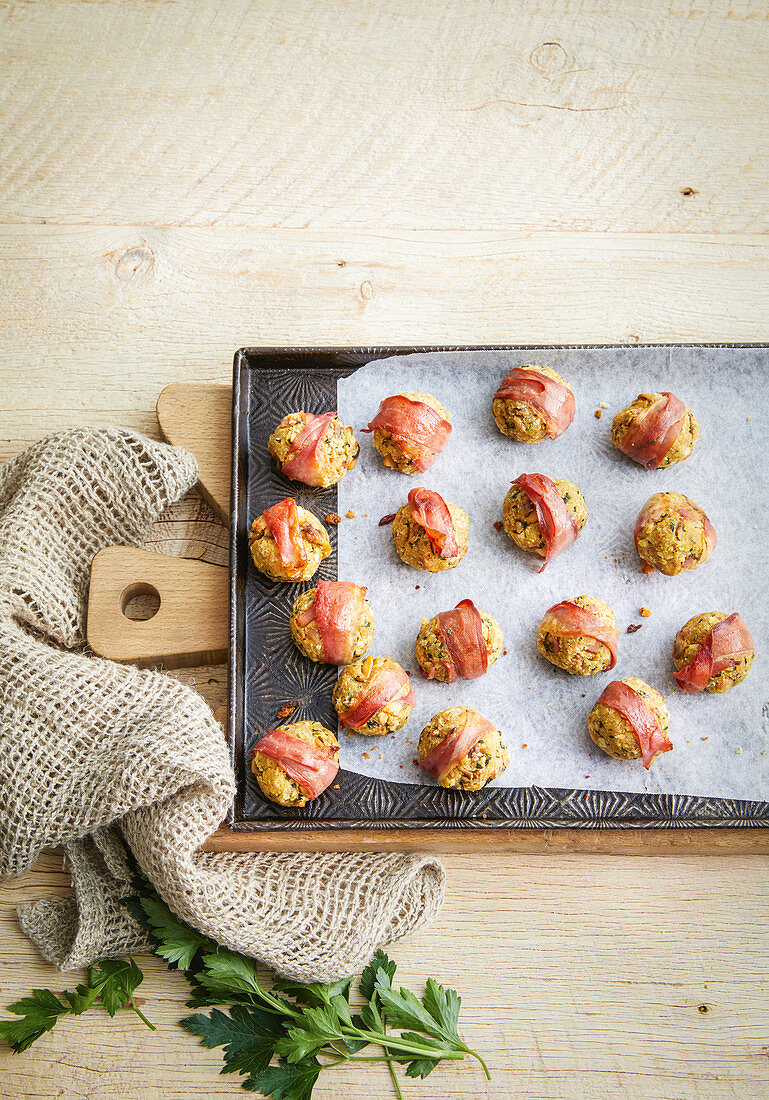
(275, 784)
(519, 515)
(628, 421)
(337, 451)
(673, 534)
(353, 684)
(486, 761)
(517, 418)
(433, 656)
(307, 638)
(613, 733)
(688, 641)
(413, 544)
(264, 550)
(391, 450)
(579, 654)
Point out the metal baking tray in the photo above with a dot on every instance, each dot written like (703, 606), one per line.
(267, 672)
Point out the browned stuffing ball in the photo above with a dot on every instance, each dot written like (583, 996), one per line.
(264, 550)
(486, 761)
(518, 419)
(519, 516)
(337, 451)
(673, 534)
(688, 641)
(413, 544)
(275, 784)
(627, 421)
(613, 733)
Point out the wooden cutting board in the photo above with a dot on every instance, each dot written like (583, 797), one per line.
(190, 627)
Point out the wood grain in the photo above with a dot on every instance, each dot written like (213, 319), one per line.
(189, 626)
(550, 115)
(583, 977)
(179, 179)
(199, 418)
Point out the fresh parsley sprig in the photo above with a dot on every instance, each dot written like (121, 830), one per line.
(308, 1028)
(112, 981)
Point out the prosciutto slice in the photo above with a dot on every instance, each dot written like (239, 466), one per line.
(312, 768)
(336, 610)
(457, 744)
(302, 462)
(567, 620)
(462, 632)
(386, 687)
(652, 739)
(659, 505)
(726, 643)
(557, 524)
(283, 521)
(654, 432)
(430, 510)
(418, 429)
(551, 399)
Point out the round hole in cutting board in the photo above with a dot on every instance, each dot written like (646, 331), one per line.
(140, 601)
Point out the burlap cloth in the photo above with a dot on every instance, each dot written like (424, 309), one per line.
(94, 754)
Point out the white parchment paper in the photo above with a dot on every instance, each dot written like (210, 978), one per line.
(721, 742)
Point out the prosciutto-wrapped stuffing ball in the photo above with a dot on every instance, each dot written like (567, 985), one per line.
(294, 764)
(579, 636)
(461, 749)
(287, 542)
(630, 721)
(429, 533)
(713, 652)
(542, 515)
(332, 623)
(410, 431)
(656, 430)
(460, 644)
(373, 696)
(673, 534)
(314, 449)
(531, 403)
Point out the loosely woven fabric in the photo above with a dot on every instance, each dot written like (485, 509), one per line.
(94, 754)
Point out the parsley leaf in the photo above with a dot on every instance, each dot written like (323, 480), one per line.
(248, 1036)
(175, 941)
(39, 1013)
(368, 979)
(443, 1005)
(402, 1009)
(287, 1081)
(314, 993)
(112, 981)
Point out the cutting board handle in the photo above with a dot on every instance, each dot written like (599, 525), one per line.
(189, 626)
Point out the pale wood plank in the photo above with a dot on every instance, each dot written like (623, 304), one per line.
(551, 114)
(83, 341)
(562, 989)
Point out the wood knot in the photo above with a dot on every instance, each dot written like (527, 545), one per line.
(549, 58)
(135, 265)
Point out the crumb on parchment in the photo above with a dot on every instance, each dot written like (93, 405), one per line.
(350, 514)
(644, 611)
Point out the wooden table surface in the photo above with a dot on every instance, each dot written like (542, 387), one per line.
(178, 179)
